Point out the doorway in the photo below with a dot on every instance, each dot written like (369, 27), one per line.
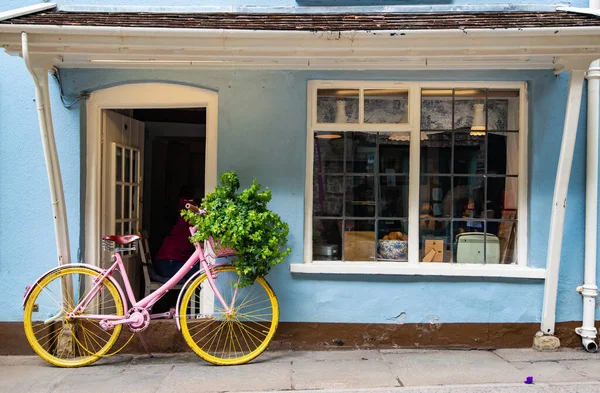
(166, 131)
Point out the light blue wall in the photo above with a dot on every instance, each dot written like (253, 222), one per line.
(27, 242)
(262, 131)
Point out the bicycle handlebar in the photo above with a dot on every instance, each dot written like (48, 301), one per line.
(194, 209)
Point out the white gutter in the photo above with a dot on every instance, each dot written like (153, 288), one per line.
(559, 202)
(42, 98)
(589, 289)
(287, 34)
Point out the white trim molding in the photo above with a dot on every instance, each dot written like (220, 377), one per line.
(419, 269)
(137, 96)
(413, 127)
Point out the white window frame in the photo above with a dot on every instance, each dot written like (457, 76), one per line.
(414, 266)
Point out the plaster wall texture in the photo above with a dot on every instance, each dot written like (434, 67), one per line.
(10, 4)
(262, 134)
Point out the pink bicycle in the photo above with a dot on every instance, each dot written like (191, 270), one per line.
(75, 313)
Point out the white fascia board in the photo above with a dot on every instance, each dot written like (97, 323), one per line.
(420, 269)
(10, 14)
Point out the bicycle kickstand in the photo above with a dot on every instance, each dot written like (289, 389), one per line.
(139, 334)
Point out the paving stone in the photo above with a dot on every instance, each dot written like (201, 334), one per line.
(348, 354)
(452, 367)
(7, 361)
(31, 379)
(532, 355)
(342, 374)
(496, 388)
(549, 372)
(259, 377)
(285, 356)
(167, 358)
(114, 379)
(588, 368)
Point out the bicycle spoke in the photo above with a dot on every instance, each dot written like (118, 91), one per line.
(236, 336)
(76, 341)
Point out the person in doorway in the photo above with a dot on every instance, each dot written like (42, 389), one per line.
(176, 248)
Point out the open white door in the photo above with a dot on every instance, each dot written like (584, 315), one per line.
(122, 184)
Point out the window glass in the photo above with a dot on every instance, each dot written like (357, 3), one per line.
(360, 206)
(468, 157)
(337, 105)
(469, 176)
(387, 106)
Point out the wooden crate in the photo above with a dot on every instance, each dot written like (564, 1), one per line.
(359, 246)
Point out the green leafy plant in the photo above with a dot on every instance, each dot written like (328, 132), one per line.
(241, 221)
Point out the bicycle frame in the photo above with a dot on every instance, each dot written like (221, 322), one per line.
(148, 301)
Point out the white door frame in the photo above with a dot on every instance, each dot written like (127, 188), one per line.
(138, 96)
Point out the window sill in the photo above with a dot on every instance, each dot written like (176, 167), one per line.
(421, 269)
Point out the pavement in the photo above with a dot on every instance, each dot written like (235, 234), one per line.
(342, 370)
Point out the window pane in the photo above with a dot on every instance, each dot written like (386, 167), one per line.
(118, 201)
(126, 229)
(434, 240)
(467, 197)
(503, 153)
(393, 196)
(134, 164)
(435, 196)
(386, 106)
(328, 193)
(360, 196)
(392, 240)
(469, 110)
(503, 110)
(394, 152)
(502, 195)
(475, 246)
(337, 106)
(436, 109)
(118, 230)
(436, 152)
(126, 205)
(360, 152)
(134, 202)
(127, 166)
(507, 236)
(469, 153)
(119, 164)
(327, 239)
(329, 152)
(359, 240)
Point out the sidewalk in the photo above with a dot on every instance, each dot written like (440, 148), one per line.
(401, 371)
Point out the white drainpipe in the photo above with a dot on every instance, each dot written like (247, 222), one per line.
(589, 289)
(559, 202)
(42, 99)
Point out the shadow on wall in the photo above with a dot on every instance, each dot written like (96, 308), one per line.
(370, 2)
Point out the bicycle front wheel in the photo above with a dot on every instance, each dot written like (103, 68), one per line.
(230, 338)
(66, 341)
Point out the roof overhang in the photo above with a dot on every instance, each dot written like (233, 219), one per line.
(556, 48)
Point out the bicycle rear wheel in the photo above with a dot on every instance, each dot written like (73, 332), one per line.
(64, 341)
(231, 339)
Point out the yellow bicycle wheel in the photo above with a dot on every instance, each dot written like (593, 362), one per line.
(65, 341)
(228, 339)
